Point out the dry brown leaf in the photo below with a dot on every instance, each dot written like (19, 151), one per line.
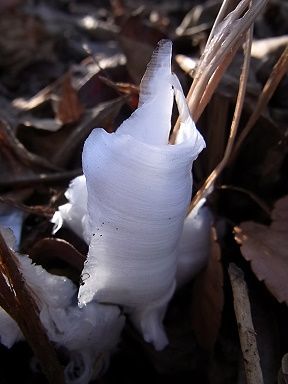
(19, 152)
(266, 247)
(103, 115)
(68, 107)
(16, 162)
(208, 299)
(131, 90)
(50, 249)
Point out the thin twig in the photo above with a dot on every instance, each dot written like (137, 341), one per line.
(227, 38)
(246, 330)
(39, 210)
(219, 52)
(252, 196)
(43, 178)
(8, 138)
(279, 70)
(221, 14)
(209, 182)
(215, 80)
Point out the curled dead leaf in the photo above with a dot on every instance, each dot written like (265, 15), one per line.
(68, 107)
(50, 249)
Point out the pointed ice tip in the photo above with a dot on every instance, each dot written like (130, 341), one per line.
(165, 44)
(151, 122)
(156, 77)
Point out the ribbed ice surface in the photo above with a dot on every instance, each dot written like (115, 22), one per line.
(139, 188)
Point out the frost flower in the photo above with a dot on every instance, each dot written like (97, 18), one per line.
(88, 334)
(194, 245)
(138, 191)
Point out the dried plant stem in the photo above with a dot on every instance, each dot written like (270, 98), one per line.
(39, 210)
(42, 178)
(279, 70)
(209, 182)
(20, 304)
(215, 80)
(219, 53)
(219, 18)
(222, 44)
(245, 326)
(252, 196)
(9, 140)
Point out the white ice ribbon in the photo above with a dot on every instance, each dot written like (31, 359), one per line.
(139, 188)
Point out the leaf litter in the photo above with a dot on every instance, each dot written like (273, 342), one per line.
(67, 68)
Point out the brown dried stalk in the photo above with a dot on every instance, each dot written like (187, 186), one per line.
(279, 70)
(209, 182)
(221, 14)
(246, 330)
(229, 36)
(219, 53)
(9, 140)
(17, 300)
(252, 196)
(40, 210)
(42, 178)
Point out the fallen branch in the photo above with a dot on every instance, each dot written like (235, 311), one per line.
(246, 330)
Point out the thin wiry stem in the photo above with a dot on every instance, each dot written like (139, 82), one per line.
(252, 196)
(215, 80)
(209, 183)
(39, 210)
(279, 70)
(221, 14)
(42, 178)
(219, 53)
(222, 44)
